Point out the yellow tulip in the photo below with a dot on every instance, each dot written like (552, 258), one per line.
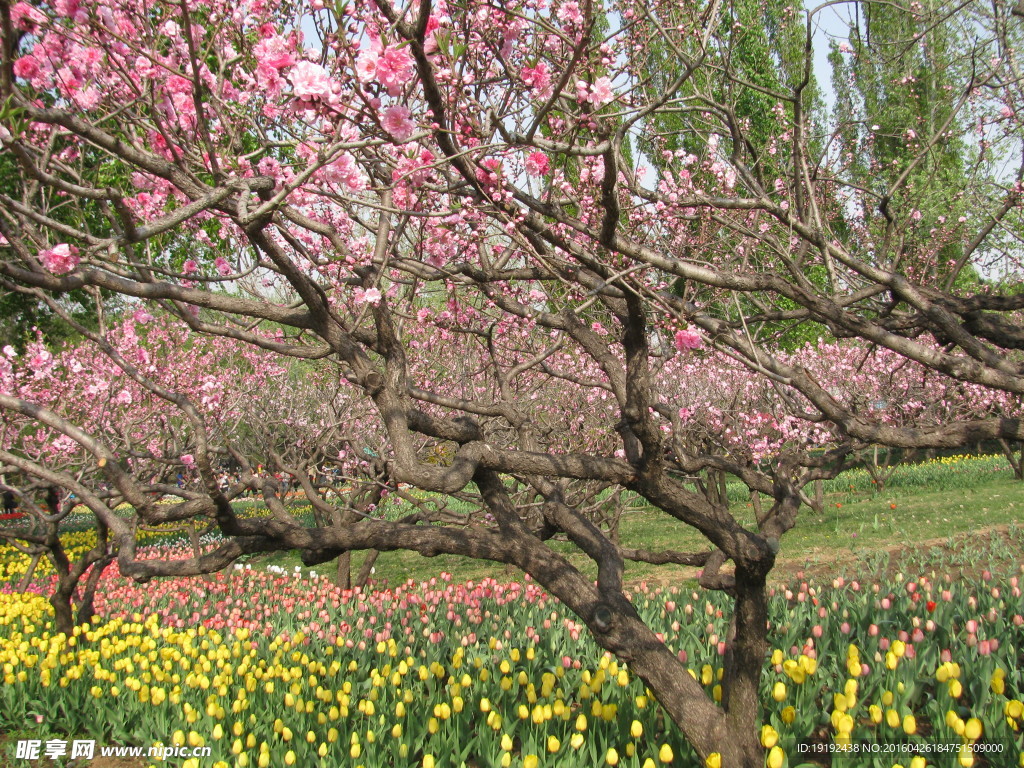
(714, 761)
(611, 757)
(845, 724)
(706, 674)
(665, 754)
(954, 722)
(776, 757)
(998, 682)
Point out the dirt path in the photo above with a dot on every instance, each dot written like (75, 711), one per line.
(824, 565)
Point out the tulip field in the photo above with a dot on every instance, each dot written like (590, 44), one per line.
(269, 667)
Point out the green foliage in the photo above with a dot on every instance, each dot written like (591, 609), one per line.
(902, 84)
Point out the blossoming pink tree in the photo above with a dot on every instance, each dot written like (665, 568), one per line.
(490, 222)
(137, 385)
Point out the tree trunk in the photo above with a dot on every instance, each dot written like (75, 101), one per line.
(613, 526)
(755, 502)
(1014, 457)
(715, 491)
(23, 585)
(86, 606)
(365, 571)
(62, 614)
(343, 578)
(744, 664)
(733, 734)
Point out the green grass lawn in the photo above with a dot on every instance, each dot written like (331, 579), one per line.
(928, 513)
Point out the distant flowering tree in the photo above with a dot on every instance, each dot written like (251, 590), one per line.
(518, 251)
(139, 387)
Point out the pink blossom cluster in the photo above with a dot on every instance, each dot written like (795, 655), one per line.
(60, 259)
